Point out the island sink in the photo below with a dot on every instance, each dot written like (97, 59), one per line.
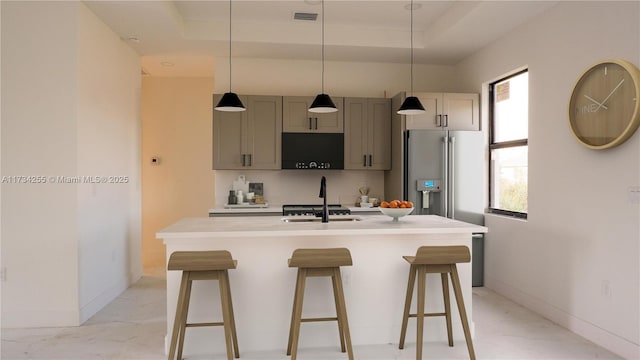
(298, 219)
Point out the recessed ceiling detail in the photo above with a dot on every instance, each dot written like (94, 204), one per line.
(445, 32)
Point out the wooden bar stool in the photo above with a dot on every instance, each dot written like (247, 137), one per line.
(319, 262)
(436, 259)
(203, 265)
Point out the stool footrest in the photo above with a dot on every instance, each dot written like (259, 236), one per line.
(429, 314)
(205, 324)
(319, 319)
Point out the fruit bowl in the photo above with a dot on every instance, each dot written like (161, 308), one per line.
(396, 213)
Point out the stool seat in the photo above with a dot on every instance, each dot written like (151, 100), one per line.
(439, 255)
(201, 260)
(203, 265)
(320, 258)
(442, 260)
(312, 263)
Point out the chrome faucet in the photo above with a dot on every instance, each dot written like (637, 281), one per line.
(323, 195)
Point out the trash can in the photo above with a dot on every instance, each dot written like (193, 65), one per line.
(477, 259)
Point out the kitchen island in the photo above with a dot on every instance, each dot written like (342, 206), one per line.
(262, 286)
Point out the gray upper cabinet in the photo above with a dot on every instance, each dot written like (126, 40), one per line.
(297, 118)
(249, 139)
(446, 111)
(367, 133)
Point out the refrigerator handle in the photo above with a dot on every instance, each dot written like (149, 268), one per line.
(452, 176)
(445, 174)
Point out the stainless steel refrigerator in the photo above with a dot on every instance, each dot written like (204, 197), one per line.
(444, 175)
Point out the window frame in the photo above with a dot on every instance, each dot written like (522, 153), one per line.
(493, 145)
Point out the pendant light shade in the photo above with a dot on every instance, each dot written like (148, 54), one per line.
(411, 105)
(323, 103)
(230, 100)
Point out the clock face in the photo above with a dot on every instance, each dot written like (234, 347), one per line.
(603, 111)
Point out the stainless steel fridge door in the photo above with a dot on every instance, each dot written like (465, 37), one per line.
(425, 159)
(467, 176)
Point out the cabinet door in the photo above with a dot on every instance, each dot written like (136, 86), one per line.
(229, 137)
(297, 118)
(367, 134)
(431, 119)
(264, 132)
(355, 133)
(330, 122)
(379, 134)
(461, 111)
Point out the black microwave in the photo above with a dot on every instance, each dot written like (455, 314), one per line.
(323, 151)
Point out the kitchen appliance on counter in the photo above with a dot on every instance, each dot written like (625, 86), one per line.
(324, 151)
(314, 210)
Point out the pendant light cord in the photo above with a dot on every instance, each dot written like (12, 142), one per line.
(322, 47)
(229, 45)
(411, 22)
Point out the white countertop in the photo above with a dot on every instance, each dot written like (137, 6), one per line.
(257, 226)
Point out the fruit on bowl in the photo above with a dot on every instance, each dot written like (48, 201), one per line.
(393, 204)
(396, 208)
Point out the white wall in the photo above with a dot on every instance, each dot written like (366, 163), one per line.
(62, 117)
(303, 77)
(39, 240)
(108, 144)
(582, 230)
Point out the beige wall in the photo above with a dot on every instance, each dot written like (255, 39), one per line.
(583, 231)
(177, 128)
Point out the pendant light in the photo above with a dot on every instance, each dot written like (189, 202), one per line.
(230, 100)
(411, 105)
(323, 103)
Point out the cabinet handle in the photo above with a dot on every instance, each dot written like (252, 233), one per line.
(250, 159)
(242, 161)
(446, 120)
(316, 123)
(370, 159)
(439, 120)
(310, 124)
(364, 160)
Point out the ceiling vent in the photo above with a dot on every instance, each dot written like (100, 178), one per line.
(305, 16)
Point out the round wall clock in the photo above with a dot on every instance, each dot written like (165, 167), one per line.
(604, 110)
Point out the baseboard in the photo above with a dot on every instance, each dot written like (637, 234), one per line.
(607, 340)
(104, 298)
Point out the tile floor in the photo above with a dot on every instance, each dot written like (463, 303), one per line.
(133, 327)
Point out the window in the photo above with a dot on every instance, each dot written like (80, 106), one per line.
(508, 145)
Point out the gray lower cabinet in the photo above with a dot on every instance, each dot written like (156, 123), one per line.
(249, 139)
(367, 133)
(297, 118)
